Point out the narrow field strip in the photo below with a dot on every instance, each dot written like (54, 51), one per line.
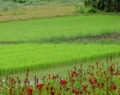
(59, 70)
(36, 11)
(16, 58)
(63, 28)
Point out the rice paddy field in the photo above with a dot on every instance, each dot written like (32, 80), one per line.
(63, 28)
(60, 42)
(41, 43)
(15, 58)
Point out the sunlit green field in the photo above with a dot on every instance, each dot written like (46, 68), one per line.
(48, 30)
(16, 58)
(35, 50)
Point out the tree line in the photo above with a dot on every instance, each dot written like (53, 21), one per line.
(104, 5)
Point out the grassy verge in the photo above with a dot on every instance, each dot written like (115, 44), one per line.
(16, 58)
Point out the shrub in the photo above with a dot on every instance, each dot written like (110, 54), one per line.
(87, 9)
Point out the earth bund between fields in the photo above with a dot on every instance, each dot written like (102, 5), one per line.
(99, 37)
(80, 39)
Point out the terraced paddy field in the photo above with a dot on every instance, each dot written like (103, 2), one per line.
(55, 45)
(58, 29)
(44, 43)
(15, 58)
(53, 50)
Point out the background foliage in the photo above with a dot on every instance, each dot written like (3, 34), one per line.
(104, 5)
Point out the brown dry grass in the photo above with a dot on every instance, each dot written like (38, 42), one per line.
(42, 11)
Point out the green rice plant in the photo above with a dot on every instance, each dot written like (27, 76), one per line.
(47, 30)
(16, 58)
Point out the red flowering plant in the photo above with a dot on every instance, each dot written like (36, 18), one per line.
(29, 91)
(39, 88)
(102, 79)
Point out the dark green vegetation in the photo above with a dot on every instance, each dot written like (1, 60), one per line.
(103, 5)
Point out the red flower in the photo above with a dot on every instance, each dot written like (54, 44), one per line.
(52, 93)
(93, 80)
(39, 86)
(111, 68)
(73, 73)
(113, 87)
(63, 82)
(58, 94)
(54, 77)
(29, 91)
(84, 87)
(26, 79)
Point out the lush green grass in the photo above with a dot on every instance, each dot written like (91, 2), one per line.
(16, 58)
(46, 30)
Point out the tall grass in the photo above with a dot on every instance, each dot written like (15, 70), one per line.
(16, 58)
(47, 30)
